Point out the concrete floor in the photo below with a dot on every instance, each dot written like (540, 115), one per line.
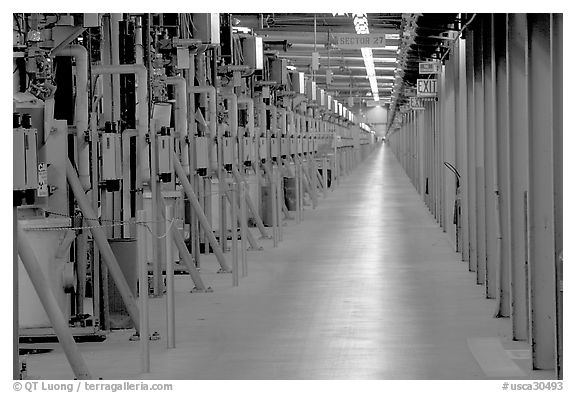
(366, 287)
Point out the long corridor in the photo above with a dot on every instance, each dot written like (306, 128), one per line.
(367, 286)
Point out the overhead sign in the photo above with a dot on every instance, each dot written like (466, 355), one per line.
(357, 41)
(429, 67)
(426, 88)
(416, 104)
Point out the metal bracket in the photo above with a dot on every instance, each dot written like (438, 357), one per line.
(207, 290)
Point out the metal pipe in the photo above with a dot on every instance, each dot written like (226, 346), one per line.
(234, 230)
(238, 177)
(143, 292)
(181, 117)
(50, 304)
(201, 217)
(141, 74)
(183, 250)
(249, 235)
(170, 312)
(243, 228)
(80, 56)
(103, 245)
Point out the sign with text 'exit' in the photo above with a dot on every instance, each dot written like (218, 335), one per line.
(357, 41)
(426, 88)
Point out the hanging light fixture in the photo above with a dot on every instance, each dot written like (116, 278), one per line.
(361, 26)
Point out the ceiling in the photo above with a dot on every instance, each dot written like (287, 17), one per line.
(297, 36)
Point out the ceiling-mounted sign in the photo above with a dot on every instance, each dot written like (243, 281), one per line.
(357, 41)
(429, 67)
(426, 88)
(416, 104)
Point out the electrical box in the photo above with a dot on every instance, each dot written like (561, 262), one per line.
(273, 148)
(305, 140)
(19, 160)
(201, 153)
(311, 90)
(25, 160)
(165, 157)
(91, 20)
(335, 109)
(206, 28)
(340, 109)
(31, 149)
(262, 153)
(253, 52)
(279, 71)
(227, 151)
(321, 97)
(293, 145)
(299, 144)
(329, 102)
(284, 147)
(111, 160)
(298, 82)
(247, 149)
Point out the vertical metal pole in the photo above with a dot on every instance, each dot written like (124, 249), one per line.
(243, 227)
(170, 317)
(279, 203)
(143, 291)
(298, 202)
(516, 49)
(273, 206)
(157, 285)
(325, 176)
(234, 229)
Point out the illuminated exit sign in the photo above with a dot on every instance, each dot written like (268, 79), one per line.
(426, 88)
(357, 41)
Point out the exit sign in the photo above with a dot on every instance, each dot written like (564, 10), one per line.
(426, 88)
(357, 41)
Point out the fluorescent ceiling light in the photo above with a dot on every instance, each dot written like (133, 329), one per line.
(361, 26)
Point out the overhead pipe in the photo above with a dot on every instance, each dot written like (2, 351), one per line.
(50, 304)
(181, 115)
(201, 217)
(141, 74)
(80, 56)
(104, 247)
